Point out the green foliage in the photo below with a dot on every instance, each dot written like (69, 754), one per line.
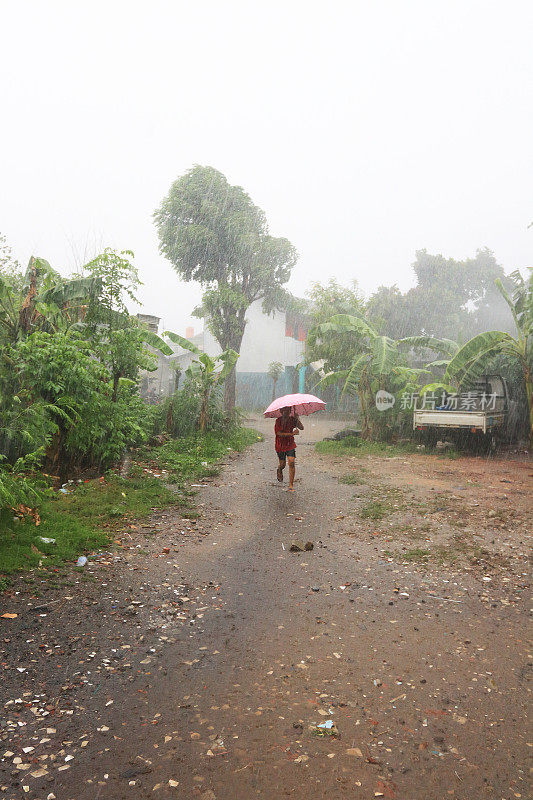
(352, 446)
(192, 457)
(117, 339)
(204, 375)
(96, 511)
(472, 359)
(16, 487)
(180, 413)
(69, 363)
(118, 278)
(212, 233)
(275, 371)
(108, 428)
(326, 301)
(351, 479)
(453, 299)
(415, 554)
(375, 509)
(79, 522)
(378, 364)
(39, 299)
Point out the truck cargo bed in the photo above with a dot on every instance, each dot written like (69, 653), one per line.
(481, 420)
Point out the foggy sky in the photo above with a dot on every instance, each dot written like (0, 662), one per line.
(365, 130)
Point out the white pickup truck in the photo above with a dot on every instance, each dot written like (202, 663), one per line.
(482, 410)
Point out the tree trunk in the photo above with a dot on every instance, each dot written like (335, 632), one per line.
(529, 394)
(170, 416)
(274, 389)
(204, 412)
(233, 342)
(28, 305)
(116, 378)
(229, 392)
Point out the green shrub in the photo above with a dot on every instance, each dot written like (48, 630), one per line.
(107, 428)
(17, 488)
(64, 403)
(179, 415)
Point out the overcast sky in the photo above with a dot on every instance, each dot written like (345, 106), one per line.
(365, 129)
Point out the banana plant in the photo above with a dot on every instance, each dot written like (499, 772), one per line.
(208, 373)
(378, 362)
(46, 301)
(275, 371)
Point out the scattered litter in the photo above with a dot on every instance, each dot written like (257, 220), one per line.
(7, 615)
(448, 599)
(46, 540)
(82, 560)
(327, 728)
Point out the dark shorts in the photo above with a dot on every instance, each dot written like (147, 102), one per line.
(283, 456)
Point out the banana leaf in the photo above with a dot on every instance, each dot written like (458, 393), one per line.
(229, 359)
(72, 290)
(185, 343)
(484, 344)
(384, 354)
(155, 341)
(346, 323)
(351, 384)
(432, 343)
(436, 387)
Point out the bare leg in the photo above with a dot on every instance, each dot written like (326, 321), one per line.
(281, 467)
(292, 471)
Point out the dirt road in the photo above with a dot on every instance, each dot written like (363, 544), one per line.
(204, 672)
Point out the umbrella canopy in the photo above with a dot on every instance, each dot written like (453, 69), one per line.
(301, 404)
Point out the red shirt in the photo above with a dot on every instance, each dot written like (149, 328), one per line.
(284, 443)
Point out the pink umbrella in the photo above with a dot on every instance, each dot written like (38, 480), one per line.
(301, 404)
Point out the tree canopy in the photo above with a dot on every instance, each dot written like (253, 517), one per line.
(454, 299)
(212, 232)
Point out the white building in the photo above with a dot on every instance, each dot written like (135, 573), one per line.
(160, 382)
(279, 336)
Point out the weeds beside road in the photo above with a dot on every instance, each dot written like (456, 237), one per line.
(91, 515)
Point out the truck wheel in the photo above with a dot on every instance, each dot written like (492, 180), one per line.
(430, 437)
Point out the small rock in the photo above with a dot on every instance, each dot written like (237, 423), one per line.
(354, 751)
(297, 546)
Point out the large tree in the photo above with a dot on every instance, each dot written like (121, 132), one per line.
(454, 299)
(212, 233)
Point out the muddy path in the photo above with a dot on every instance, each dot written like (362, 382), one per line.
(204, 671)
